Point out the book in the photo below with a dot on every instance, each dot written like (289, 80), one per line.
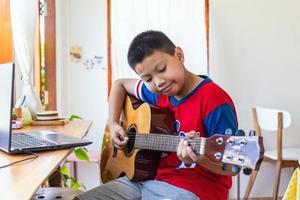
(47, 115)
(45, 118)
(49, 122)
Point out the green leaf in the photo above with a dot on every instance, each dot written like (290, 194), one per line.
(65, 184)
(76, 185)
(82, 154)
(69, 181)
(64, 171)
(74, 117)
(64, 178)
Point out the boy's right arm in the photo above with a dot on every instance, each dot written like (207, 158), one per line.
(120, 89)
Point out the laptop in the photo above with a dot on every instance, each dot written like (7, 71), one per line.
(29, 141)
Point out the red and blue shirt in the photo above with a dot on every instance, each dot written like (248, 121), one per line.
(208, 110)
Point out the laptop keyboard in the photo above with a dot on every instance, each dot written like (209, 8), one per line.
(20, 140)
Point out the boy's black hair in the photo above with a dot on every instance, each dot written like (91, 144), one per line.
(145, 43)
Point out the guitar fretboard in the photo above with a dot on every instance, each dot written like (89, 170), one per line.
(167, 143)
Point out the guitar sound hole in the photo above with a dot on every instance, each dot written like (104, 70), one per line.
(131, 134)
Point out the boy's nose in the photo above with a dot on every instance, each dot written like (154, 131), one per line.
(159, 82)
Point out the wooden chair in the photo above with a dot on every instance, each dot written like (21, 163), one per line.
(275, 121)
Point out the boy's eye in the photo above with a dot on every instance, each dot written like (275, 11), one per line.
(163, 69)
(149, 80)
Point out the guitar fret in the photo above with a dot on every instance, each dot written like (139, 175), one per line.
(201, 146)
(168, 143)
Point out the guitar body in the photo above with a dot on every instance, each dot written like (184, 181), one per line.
(137, 164)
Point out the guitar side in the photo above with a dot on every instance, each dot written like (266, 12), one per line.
(137, 164)
(116, 163)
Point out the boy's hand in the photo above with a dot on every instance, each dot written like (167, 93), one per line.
(185, 152)
(182, 151)
(118, 136)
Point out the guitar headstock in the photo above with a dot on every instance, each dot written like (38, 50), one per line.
(244, 151)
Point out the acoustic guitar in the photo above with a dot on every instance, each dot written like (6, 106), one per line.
(150, 131)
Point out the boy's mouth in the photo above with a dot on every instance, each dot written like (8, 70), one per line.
(166, 89)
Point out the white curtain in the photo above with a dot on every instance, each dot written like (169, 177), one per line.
(183, 21)
(23, 18)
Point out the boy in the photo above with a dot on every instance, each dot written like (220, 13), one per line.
(201, 109)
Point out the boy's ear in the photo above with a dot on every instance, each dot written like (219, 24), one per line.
(179, 54)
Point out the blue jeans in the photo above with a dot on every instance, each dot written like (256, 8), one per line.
(122, 188)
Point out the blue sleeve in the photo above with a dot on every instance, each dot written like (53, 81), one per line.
(148, 96)
(220, 119)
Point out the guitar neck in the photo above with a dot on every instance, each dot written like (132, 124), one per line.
(166, 143)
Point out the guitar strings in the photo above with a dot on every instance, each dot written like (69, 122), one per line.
(152, 141)
(161, 136)
(132, 135)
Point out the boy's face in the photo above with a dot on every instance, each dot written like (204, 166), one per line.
(162, 73)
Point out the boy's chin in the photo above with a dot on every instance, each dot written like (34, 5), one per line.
(171, 93)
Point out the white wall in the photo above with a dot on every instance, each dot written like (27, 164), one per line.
(253, 55)
(254, 47)
(80, 91)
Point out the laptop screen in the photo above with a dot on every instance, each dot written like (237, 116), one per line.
(6, 94)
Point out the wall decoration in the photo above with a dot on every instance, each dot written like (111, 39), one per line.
(92, 62)
(76, 54)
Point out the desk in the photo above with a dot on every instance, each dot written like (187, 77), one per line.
(20, 181)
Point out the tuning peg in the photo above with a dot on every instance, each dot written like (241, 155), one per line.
(252, 133)
(235, 169)
(224, 167)
(247, 171)
(240, 132)
(228, 131)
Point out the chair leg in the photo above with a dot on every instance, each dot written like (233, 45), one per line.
(250, 184)
(75, 170)
(238, 186)
(277, 179)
